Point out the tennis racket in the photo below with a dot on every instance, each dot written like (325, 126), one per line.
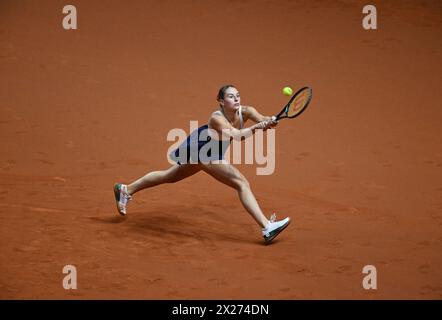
(297, 104)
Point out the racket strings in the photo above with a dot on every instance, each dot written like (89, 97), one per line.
(299, 103)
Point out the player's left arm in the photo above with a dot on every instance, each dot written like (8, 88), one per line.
(251, 113)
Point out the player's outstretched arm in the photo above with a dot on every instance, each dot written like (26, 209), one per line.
(253, 114)
(228, 131)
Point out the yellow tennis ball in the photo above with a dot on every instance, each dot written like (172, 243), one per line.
(287, 91)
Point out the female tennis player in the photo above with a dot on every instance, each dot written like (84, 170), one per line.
(225, 124)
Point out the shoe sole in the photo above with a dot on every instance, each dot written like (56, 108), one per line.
(117, 198)
(277, 231)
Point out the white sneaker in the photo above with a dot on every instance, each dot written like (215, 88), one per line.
(121, 197)
(274, 228)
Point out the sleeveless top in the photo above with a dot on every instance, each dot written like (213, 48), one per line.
(241, 120)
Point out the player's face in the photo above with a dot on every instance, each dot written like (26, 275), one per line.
(231, 99)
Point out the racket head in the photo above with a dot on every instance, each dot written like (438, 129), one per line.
(297, 103)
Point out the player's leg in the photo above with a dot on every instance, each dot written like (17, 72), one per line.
(123, 193)
(173, 174)
(231, 176)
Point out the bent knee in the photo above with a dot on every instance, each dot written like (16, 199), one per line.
(241, 184)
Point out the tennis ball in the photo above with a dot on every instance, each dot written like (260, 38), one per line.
(287, 91)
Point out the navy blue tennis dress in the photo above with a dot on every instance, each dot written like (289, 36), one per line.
(199, 146)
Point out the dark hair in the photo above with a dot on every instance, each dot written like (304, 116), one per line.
(223, 90)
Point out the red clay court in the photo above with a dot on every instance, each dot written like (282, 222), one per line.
(359, 173)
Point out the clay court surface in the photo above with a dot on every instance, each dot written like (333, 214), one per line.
(359, 173)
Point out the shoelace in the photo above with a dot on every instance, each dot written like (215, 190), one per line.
(125, 194)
